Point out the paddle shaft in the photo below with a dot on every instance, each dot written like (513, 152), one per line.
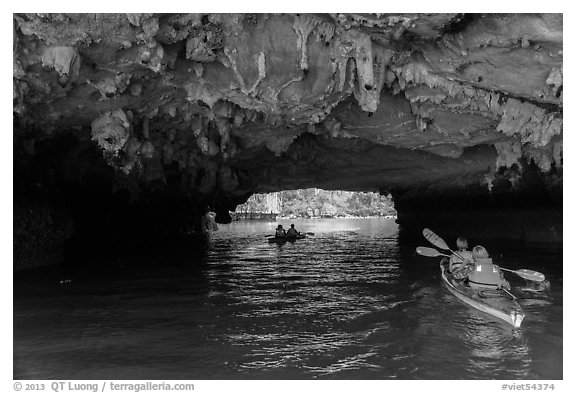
(508, 292)
(458, 255)
(525, 271)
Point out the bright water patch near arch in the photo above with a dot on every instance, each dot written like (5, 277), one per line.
(351, 302)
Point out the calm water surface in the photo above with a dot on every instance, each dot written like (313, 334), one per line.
(351, 302)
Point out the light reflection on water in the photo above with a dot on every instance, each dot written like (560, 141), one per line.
(349, 302)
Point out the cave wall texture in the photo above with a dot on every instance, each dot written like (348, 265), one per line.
(134, 125)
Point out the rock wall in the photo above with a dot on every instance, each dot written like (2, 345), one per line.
(203, 110)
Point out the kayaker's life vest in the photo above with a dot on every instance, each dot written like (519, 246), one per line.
(485, 274)
(456, 262)
(280, 233)
(292, 232)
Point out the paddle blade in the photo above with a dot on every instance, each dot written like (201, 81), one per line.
(429, 252)
(310, 233)
(435, 239)
(527, 274)
(530, 275)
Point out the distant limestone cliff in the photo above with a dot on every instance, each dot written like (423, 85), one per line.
(314, 202)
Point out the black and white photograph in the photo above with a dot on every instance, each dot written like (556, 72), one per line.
(267, 197)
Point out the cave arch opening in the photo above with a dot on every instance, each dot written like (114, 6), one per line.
(311, 203)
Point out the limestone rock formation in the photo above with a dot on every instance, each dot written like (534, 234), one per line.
(211, 108)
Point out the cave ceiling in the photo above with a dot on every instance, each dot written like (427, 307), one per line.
(233, 104)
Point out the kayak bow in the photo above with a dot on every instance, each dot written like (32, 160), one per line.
(493, 302)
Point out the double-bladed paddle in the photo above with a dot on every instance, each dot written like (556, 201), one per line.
(524, 273)
(432, 252)
(436, 240)
(308, 233)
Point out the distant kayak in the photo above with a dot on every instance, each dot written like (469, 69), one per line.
(286, 239)
(491, 301)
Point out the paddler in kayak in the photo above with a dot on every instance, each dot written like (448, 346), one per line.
(457, 267)
(280, 232)
(292, 232)
(485, 274)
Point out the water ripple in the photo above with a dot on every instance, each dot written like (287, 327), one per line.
(340, 304)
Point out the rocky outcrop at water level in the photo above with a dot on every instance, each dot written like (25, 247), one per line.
(133, 126)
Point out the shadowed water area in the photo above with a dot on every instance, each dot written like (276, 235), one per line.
(351, 302)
